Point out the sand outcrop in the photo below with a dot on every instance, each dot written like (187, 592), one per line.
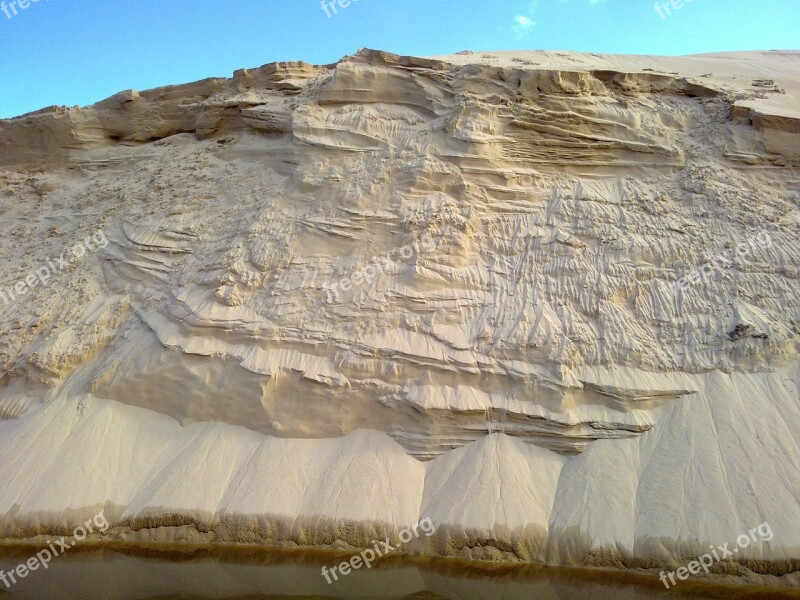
(548, 300)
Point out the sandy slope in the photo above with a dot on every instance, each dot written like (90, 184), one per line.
(318, 304)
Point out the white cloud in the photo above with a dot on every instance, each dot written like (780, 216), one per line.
(524, 22)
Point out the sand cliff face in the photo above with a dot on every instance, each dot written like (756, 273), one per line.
(548, 300)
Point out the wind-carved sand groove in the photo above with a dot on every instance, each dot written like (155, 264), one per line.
(523, 370)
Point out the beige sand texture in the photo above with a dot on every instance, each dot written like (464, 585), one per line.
(320, 303)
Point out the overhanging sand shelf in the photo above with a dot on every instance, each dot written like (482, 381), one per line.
(532, 381)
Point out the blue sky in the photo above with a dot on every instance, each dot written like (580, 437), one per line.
(80, 51)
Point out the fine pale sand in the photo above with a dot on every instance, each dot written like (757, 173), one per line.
(548, 300)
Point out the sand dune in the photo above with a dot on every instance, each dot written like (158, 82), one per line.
(549, 300)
